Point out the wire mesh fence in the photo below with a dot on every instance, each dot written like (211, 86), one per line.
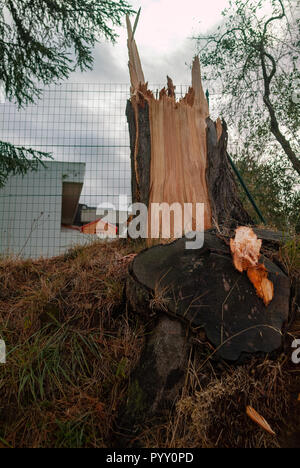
(78, 123)
(84, 128)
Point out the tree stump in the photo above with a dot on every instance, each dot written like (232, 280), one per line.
(184, 292)
(179, 156)
(203, 289)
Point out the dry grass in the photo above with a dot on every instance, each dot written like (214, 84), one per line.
(160, 299)
(290, 256)
(72, 345)
(214, 414)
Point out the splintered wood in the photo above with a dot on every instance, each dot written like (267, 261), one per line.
(258, 419)
(245, 249)
(178, 141)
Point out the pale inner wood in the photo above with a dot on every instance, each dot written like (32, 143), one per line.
(178, 141)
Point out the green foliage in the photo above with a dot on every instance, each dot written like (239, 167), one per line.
(18, 160)
(251, 62)
(290, 257)
(273, 185)
(43, 41)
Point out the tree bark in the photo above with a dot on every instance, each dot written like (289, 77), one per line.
(227, 209)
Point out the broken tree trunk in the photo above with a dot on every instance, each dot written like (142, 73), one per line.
(196, 301)
(178, 154)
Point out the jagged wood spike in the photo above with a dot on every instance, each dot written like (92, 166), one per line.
(136, 23)
(200, 97)
(135, 67)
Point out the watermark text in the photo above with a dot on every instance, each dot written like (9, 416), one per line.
(296, 353)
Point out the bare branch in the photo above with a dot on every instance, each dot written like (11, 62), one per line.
(273, 18)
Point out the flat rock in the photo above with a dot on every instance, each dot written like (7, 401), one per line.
(202, 288)
(275, 237)
(159, 376)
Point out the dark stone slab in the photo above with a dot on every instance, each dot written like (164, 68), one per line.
(273, 237)
(159, 376)
(203, 288)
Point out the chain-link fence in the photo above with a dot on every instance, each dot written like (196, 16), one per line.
(84, 128)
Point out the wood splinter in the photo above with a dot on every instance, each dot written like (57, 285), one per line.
(245, 249)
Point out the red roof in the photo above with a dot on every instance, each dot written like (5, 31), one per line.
(98, 221)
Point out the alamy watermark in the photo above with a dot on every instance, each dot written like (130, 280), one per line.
(160, 221)
(296, 353)
(2, 352)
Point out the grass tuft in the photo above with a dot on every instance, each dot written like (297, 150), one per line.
(71, 347)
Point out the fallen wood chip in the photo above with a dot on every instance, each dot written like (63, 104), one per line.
(128, 258)
(258, 276)
(258, 419)
(245, 249)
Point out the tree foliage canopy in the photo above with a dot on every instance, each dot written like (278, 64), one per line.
(15, 160)
(42, 42)
(273, 186)
(252, 60)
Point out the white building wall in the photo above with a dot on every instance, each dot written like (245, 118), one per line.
(30, 212)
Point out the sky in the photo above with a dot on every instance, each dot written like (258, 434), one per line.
(163, 38)
(86, 122)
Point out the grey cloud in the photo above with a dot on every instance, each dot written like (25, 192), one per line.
(90, 117)
(106, 68)
(83, 123)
